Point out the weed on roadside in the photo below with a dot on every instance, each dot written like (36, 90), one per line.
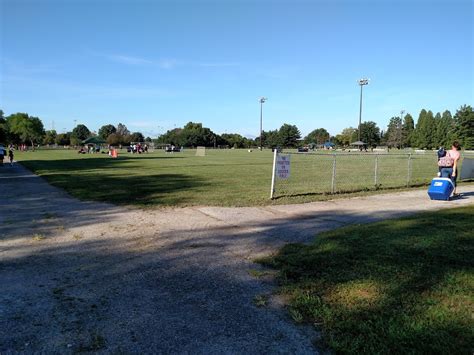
(260, 300)
(38, 237)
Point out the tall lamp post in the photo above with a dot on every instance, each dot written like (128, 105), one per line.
(261, 100)
(361, 82)
(400, 129)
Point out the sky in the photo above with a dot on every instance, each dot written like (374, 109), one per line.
(156, 65)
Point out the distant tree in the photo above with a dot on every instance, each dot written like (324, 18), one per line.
(464, 119)
(25, 128)
(393, 136)
(148, 139)
(444, 129)
(347, 136)
(270, 139)
(50, 137)
(122, 130)
(79, 133)
(106, 131)
(234, 140)
(407, 130)
(194, 134)
(63, 139)
(425, 130)
(136, 137)
(318, 136)
(3, 128)
(370, 133)
(171, 137)
(114, 139)
(289, 135)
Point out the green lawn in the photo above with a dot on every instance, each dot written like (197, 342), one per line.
(401, 286)
(222, 177)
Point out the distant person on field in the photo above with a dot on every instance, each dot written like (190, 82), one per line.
(10, 155)
(449, 164)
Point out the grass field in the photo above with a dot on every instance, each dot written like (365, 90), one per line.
(222, 177)
(395, 287)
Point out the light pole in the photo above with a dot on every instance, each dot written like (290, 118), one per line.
(262, 100)
(361, 82)
(400, 129)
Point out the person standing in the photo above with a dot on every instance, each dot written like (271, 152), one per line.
(451, 169)
(10, 155)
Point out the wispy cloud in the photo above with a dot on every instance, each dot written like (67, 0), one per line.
(125, 59)
(165, 63)
(84, 90)
(217, 64)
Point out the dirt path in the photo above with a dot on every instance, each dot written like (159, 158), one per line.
(85, 276)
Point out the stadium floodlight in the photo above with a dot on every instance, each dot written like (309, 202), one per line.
(400, 129)
(261, 100)
(361, 82)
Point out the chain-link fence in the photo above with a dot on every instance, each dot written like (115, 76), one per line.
(320, 173)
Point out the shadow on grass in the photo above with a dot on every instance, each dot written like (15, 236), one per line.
(110, 184)
(396, 287)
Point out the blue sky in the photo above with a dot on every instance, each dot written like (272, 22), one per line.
(154, 65)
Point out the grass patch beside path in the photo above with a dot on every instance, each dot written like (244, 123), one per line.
(399, 286)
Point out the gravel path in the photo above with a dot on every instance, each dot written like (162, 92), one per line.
(91, 277)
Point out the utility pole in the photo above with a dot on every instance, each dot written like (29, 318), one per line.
(361, 82)
(400, 130)
(262, 100)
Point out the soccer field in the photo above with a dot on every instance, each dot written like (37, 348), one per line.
(222, 177)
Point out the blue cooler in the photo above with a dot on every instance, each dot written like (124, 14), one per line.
(441, 189)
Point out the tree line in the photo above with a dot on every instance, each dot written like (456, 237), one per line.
(430, 131)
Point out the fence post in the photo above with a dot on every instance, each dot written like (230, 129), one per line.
(333, 180)
(273, 174)
(376, 168)
(409, 170)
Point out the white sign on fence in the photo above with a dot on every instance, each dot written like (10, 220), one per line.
(283, 166)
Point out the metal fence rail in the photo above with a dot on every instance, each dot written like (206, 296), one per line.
(319, 173)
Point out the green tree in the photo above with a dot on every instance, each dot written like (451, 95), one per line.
(3, 128)
(137, 137)
(393, 136)
(50, 137)
(425, 130)
(270, 139)
(318, 136)
(407, 130)
(114, 139)
(25, 128)
(289, 135)
(122, 130)
(106, 131)
(63, 139)
(444, 129)
(370, 133)
(234, 140)
(464, 119)
(79, 133)
(347, 136)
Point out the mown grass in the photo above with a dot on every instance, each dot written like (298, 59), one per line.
(222, 177)
(402, 286)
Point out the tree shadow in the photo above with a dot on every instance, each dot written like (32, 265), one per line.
(110, 185)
